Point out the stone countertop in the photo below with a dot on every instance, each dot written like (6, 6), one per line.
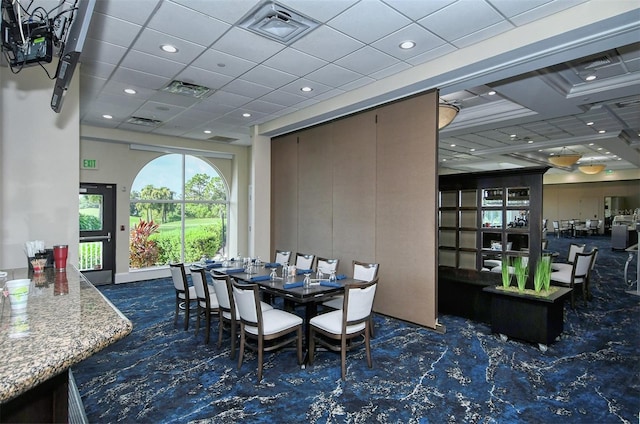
(67, 320)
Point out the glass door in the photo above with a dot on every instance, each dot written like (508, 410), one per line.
(96, 252)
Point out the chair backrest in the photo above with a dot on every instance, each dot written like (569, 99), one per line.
(283, 256)
(574, 248)
(327, 265)
(179, 277)
(582, 265)
(358, 302)
(545, 244)
(556, 225)
(247, 300)
(365, 271)
(220, 287)
(199, 279)
(304, 261)
(595, 256)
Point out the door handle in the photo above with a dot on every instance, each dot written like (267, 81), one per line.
(97, 238)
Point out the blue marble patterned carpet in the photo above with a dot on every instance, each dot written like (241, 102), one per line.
(162, 374)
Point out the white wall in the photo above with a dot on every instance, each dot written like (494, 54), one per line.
(119, 165)
(39, 165)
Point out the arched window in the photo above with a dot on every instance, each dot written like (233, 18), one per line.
(178, 211)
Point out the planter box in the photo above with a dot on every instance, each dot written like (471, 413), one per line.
(526, 317)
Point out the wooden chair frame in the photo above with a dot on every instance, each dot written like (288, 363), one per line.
(184, 299)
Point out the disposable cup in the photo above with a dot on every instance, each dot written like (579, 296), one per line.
(18, 293)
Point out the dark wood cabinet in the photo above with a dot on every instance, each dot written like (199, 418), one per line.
(485, 218)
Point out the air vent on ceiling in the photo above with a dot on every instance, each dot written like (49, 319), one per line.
(147, 122)
(596, 62)
(274, 21)
(222, 139)
(627, 103)
(187, 89)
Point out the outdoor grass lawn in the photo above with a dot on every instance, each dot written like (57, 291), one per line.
(175, 226)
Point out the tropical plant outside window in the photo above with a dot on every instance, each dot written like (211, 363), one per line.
(178, 212)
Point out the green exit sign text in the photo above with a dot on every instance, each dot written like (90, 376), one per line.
(89, 164)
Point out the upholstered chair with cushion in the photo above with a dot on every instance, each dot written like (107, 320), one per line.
(229, 314)
(207, 300)
(339, 330)
(578, 275)
(325, 265)
(283, 256)
(185, 295)
(269, 330)
(305, 261)
(574, 248)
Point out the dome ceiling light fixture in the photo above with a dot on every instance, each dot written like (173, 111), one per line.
(446, 113)
(565, 158)
(592, 168)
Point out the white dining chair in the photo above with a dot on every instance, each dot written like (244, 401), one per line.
(304, 261)
(273, 326)
(207, 300)
(282, 256)
(326, 266)
(229, 314)
(337, 330)
(578, 275)
(185, 294)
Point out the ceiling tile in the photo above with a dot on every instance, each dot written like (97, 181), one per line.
(460, 19)
(425, 41)
(333, 75)
(369, 21)
(229, 11)
(151, 40)
(320, 10)
(327, 44)
(247, 45)
(269, 77)
(246, 88)
(196, 28)
(223, 63)
(295, 62)
(367, 60)
(114, 31)
(140, 79)
(418, 9)
(151, 64)
(102, 51)
(137, 11)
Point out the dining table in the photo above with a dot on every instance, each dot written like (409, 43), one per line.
(291, 289)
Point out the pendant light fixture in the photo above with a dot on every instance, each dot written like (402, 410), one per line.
(446, 113)
(592, 168)
(565, 158)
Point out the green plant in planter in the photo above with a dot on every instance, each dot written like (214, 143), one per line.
(542, 277)
(506, 276)
(521, 271)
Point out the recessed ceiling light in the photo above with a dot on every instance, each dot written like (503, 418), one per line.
(513, 136)
(306, 89)
(453, 145)
(601, 132)
(591, 144)
(207, 131)
(130, 91)
(107, 116)
(168, 48)
(246, 114)
(472, 150)
(444, 160)
(590, 123)
(530, 141)
(491, 93)
(590, 77)
(406, 45)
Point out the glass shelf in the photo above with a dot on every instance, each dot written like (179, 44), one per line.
(492, 197)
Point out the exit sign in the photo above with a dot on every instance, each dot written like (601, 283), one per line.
(89, 164)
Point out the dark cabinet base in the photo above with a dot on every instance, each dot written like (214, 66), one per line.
(529, 318)
(48, 402)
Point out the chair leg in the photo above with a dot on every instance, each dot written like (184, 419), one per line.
(233, 339)
(367, 345)
(207, 325)
(343, 356)
(371, 326)
(300, 345)
(260, 357)
(241, 354)
(312, 345)
(187, 307)
(198, 312)
(175, 316)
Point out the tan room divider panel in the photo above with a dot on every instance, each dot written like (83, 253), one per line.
(407, 187)
(364, 188)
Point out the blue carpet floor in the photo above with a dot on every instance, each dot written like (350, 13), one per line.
(162, 374)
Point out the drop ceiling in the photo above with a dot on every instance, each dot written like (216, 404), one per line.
(517, 70)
